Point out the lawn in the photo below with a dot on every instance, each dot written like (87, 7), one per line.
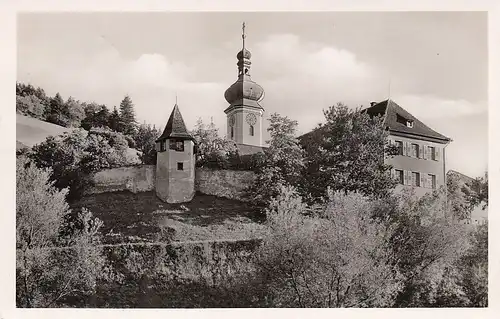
(142, 217)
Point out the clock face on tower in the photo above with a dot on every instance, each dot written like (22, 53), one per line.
(251, 119)
(232, 120)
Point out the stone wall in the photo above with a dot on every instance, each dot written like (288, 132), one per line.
(134, 179)
(223, 183)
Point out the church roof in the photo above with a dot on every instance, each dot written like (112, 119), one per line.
(395, 118)
(175, 126)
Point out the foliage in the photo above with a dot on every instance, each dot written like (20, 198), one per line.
(478, 193)
(426, 241)
(145, 141)
(46, 273)
(127, 123)
(213, 151)
(74, 156)
(114, 120)
(95, 116)
(337, 258)
(24, 90)
(459, 196)
(347, 154)
(30, 105)
(283, 162)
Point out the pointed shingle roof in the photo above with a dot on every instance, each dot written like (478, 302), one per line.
(394, 114)
(175, 126)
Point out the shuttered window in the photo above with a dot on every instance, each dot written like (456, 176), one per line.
(415, 179)
(400, 176)
(399, 145)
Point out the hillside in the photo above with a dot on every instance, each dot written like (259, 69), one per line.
(31, 131)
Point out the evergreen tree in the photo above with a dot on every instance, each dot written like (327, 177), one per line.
(114, 120)
(55, 111)
(127, 116)
(145, 140)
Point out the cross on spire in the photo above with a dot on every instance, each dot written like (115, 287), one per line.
(243, 36)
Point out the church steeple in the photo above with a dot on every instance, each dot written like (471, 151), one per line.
(244, 112)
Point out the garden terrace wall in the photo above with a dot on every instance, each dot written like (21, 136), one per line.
(223, 183)
(133, 178)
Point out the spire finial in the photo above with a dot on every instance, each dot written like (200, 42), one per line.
(243, 36)
(175, 98)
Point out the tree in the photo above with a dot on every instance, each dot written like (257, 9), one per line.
(95, 116)
(460, 197)
(425, 242)
(55, 111)
(25, 90)
(114, 120)
(46, 272)
(74, 156)
(30, 105)
(283, 163)
(127, 123)
(73, 112)
(213, 151)
(337, 258)
(145, 141)
(347, 153)
(477, 192)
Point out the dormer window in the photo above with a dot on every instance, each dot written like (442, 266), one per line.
(409, 123)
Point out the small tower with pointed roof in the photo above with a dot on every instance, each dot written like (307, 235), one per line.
(175, 165)
(244, 114)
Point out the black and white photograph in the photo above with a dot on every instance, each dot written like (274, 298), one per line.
(251, 159)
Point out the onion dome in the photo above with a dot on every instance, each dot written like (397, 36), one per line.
(244, 54)
(244, 91)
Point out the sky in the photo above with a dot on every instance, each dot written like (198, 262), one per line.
(433, 64)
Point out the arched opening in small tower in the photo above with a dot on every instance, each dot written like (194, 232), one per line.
(251, 130)
(232, 132)
(246, 71)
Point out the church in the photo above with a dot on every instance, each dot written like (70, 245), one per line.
(420, 163)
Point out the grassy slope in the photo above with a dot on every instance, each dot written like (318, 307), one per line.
(142, 217)
(31, 131)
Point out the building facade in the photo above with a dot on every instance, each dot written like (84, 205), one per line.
(421, 161)
(175, 164)
(245, 113)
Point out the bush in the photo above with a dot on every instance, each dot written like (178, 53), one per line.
(74, 156)
(338, 258)
(46, 272)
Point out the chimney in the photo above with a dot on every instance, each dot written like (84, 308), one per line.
(372, 103)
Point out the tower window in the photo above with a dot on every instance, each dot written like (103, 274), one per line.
(177, 145)
(162, 146)
(232, 132)
(180, 166)
(251, 130)
(246, 71)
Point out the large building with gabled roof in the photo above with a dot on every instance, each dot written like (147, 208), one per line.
(421, 161)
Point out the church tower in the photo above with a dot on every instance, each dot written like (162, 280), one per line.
(244, 114)
(175, 161)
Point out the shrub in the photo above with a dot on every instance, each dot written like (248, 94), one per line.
(338, 258)
(74, 156)
(45, 271)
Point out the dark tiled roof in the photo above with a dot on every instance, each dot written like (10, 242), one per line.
(176, 126)
(245, 149)
(391, 111)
